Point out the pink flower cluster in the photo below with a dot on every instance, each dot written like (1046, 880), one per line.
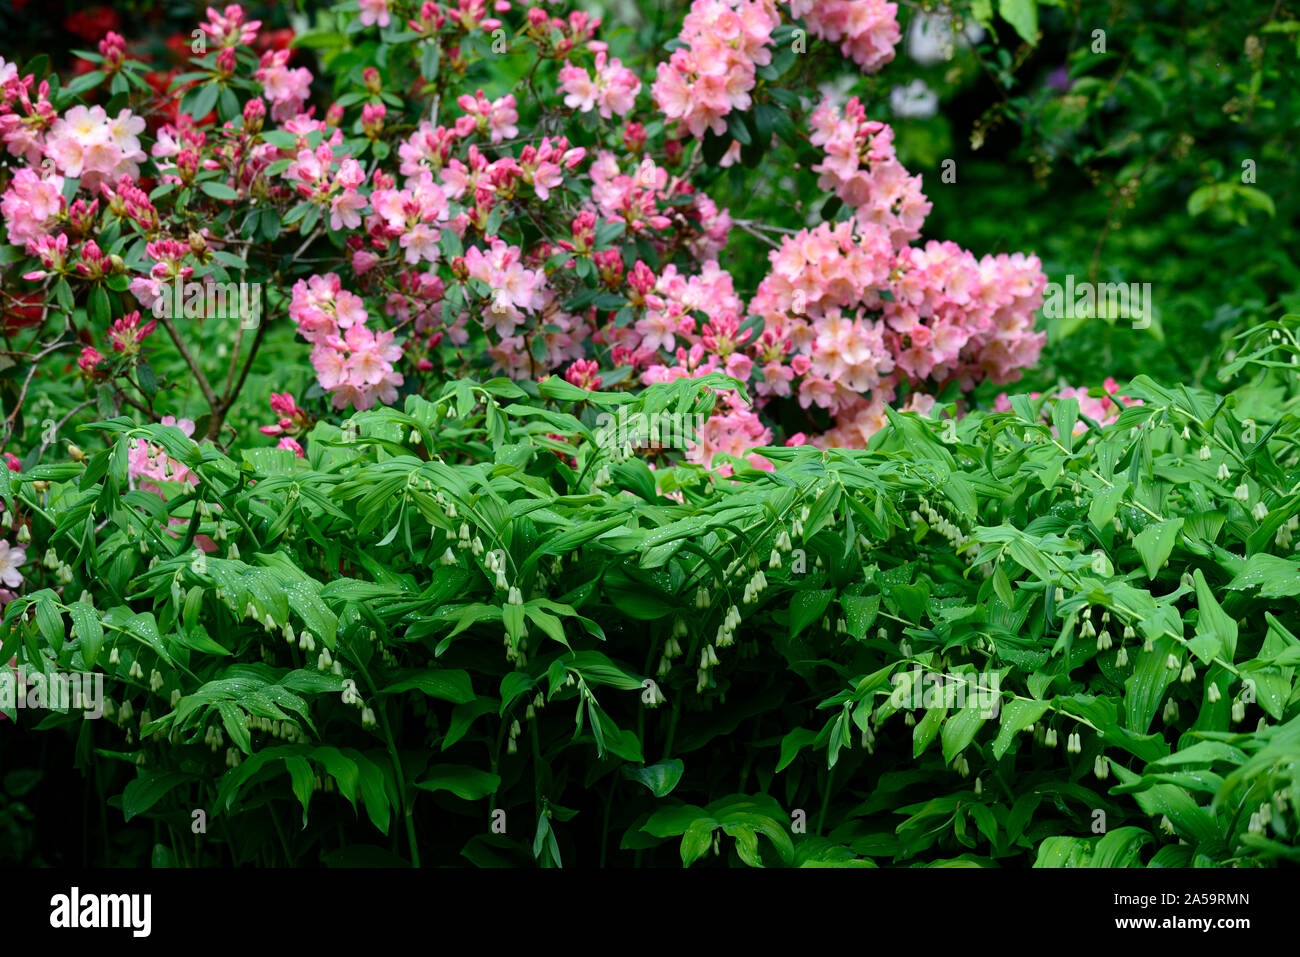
(860, 166)
(374, 13)
(230, 29)
(613, 90)
(127, 334)
(713, 72)
(321, 181)
(168, 266)
(867, 30)
(958, 317)
(634, 199)
(23, 128)
(86, 142)
(353, 362)
(514, 288)
(30, 204)
(846, 314)
(291, 420)
(496, 118)
(723, 42)
(286, 88)
(411, 216)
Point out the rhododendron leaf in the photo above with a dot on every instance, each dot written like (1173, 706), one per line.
(607, 232)
(429, 54)
(97, 306)
(199, 101)
(85, 82)
(1023, 16)
(218, 190)
(737, 129)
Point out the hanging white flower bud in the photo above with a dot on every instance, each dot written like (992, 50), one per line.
(1121, 659)
(1223, 474)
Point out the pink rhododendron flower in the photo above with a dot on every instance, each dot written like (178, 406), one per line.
(374, 13)
(85, 142)
(286, 89)
(29, 204)
(230, 29)
(612, 91)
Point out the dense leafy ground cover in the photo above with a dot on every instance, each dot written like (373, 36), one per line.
(613, 508)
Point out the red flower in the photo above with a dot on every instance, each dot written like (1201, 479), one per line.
(21, 311)
(92, 23)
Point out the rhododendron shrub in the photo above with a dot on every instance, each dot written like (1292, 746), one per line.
(415, 221)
